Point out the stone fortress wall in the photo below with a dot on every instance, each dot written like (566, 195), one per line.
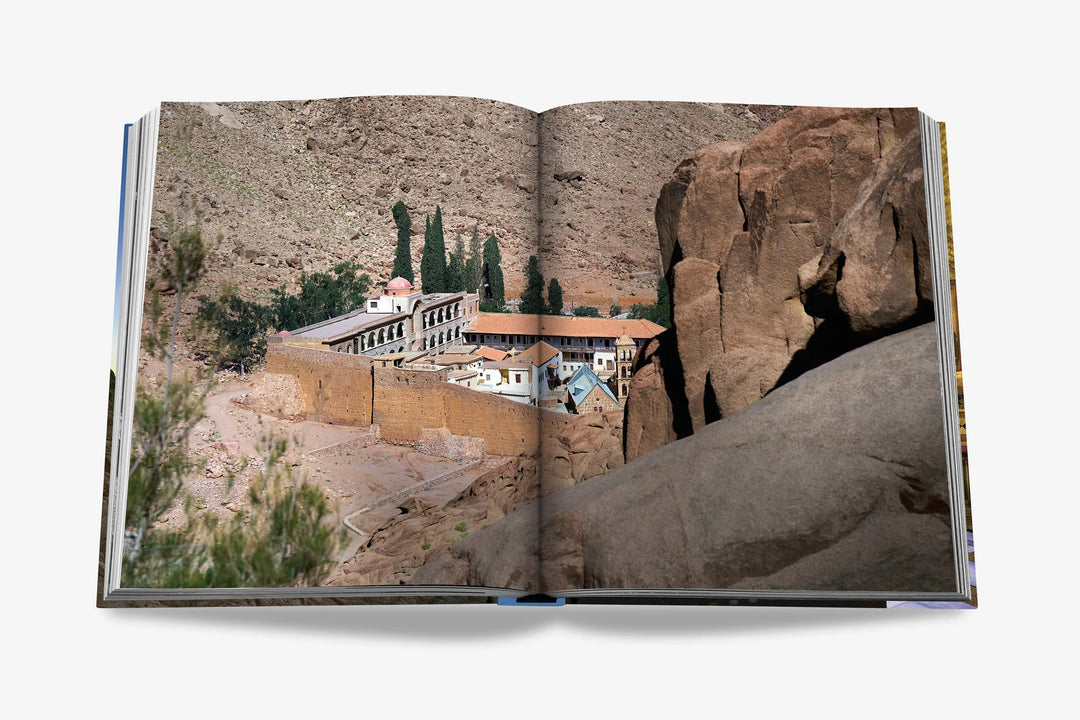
(351, 390)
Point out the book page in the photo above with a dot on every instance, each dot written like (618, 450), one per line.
(310, 412)
(744, 358)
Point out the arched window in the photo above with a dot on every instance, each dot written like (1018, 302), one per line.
(442, 338)
(400, 329)
(390, 333)
(457, 331)
(382, 337)
(440, 315)
(425, 343)
(371, 341)
(457, 309)
(363, 343)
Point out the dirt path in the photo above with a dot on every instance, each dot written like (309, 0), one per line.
(217, 409)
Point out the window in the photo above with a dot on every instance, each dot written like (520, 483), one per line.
(517, 378)
(374, 303)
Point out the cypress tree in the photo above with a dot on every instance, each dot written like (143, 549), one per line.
(554, 299)
(433, 261)
(455, 270)
(475, 264)
(403, 256)
(663, 303)
(532, 298)
(492, 276)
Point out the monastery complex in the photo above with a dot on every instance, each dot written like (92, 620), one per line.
(563, 363)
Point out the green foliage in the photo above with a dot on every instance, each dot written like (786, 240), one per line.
(663, 295)
(490, 306)
(241, 325)
(241, 329)
(475, 264)
(162, 422)
(403, 254)
(554, 298)
(586, 311)
(615, 310)
(660, 313)
(532, 298)
(322, 296)
(425, 546)
(461, 526)
(285, 540)
(492, 287)
(455, 270)
(433, 270)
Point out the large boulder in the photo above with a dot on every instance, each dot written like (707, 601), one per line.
(421, 532)
(736, 224)
(874, 272)
(586, 446)
(834, 481)
(657, 414)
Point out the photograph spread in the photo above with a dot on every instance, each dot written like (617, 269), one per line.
(449, 349)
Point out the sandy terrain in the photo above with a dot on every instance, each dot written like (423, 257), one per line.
(354, 469)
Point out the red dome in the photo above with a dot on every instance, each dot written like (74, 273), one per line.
(284, 333)
(399, 283)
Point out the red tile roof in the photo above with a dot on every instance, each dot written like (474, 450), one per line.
(491, 353)
(538, 354)
(562, 326)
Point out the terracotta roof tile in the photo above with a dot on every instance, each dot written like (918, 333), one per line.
(538, 354)
(491, 353)
(562, 326)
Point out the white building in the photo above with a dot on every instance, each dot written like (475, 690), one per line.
(524, 377)
(580, 340)
(400, 320)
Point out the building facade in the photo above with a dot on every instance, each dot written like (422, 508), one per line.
(586, 392)
(580, 340)
(625, 350)
(400, 320)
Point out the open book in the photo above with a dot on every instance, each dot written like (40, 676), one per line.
(436, 348)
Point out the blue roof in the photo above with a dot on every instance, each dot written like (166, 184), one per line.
(583, 382)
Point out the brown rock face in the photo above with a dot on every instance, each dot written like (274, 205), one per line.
(587, 446)
(834, 481)
(657, 415)
(875, 270)
(422, 532)
(743, 229)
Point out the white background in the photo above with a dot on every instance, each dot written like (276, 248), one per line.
(1004, 81)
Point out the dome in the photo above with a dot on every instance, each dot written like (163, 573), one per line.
(284, 333)
(399, 283)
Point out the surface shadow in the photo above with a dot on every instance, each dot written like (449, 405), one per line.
(488, 621)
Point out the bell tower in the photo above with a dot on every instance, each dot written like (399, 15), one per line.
(624, 360)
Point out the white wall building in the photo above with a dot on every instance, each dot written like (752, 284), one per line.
(401, 319)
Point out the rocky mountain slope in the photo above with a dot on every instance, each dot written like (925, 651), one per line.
(603, 166)
(302, 185)
(587, 446)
